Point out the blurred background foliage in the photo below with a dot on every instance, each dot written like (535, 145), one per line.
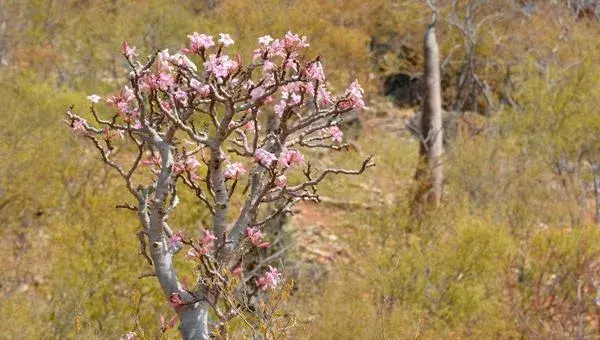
(513, 253)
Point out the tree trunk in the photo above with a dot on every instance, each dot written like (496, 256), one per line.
(194, 321)
(431, 119)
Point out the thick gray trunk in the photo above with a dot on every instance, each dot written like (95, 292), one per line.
(194, 321)
(431, 123)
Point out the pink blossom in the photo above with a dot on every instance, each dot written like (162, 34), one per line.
(137, 125)
(79, 125)
(182, 61)
(128, 51)
(148, 82)
(292, 64)
(192, 253)
(336, 134)
(355, 96)
(181, 96)
(175, 240)
(209, 238)
(94, 98)
(255, 236)
(257, 93)
(315, 71)
(203, 90)
(199, 42)
(268, 67)
(265, 40)
(225, 39)
(293, 41)
(291, 158)
(270, 279)
(220, 66)
(264, 157)
(108, 133)
(165, 326)
(164, 55)
(195, 84)
(154, 160)
(280, 181)
(176, 301)
(128, 94)
(164, 80)
(234, 171)
(280, 108)
(129, 336)
(207, 242)
(191, 163)
(324, 95)
(178, 167)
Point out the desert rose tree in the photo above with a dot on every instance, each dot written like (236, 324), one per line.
(224, 131)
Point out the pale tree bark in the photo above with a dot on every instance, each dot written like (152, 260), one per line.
(431, 119)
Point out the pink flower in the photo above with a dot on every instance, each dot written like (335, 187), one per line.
(178, 167)
(94, 98)
(209, 238)
(128, 94)
(291, 158)
(264, 157)
(164, 80)
(280, 181)
(315, 71)
(191, 163)
(257, 93)
(182, 61)
(192, 253)
(225, 39)
(265, 40)
(181, 96)
(128, 51)
(268, 67)
(234, 171)
(355, 96)
(128, 336)
(79, 125)
(154, 160)
(270, 279)
(195, 84)
(220, 66)
(176, 301)
(280, 108)
(292, 64)
(199, 42)
(255, 236)
(203, 90)
(165, 326)
(108, 133)
(336, 134)
(175, 240)
(293, 41)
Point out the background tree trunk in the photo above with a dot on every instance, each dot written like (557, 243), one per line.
(431, 121)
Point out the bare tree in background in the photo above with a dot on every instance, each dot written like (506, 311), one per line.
(431, 120)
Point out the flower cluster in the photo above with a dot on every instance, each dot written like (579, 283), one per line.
(256, 236)
(270, 279)
(234, 171)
